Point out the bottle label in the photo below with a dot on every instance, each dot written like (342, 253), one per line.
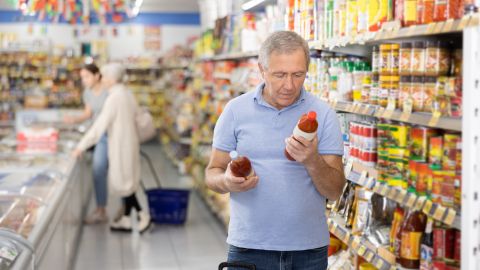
(410, 245)
(299, 133)
(426, 257)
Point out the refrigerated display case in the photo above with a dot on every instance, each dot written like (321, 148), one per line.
(43, 198)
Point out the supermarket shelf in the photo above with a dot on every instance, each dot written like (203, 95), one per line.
(174, 67)
(362, 247)
(367, 176)
(424, 119)
(230, 56)
(392, 31)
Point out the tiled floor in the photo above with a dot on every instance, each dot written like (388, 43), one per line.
(199, 244)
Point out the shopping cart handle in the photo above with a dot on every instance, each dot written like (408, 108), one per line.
(237, 264)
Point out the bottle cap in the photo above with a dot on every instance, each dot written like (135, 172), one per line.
(233, 155)
(312, 115)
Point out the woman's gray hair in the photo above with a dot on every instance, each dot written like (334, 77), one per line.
(114, 71)
(282, 42)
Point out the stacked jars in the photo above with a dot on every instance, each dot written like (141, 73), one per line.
(389, 79)
(363, 143)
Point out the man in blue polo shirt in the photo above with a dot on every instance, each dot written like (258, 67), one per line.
(277, 217)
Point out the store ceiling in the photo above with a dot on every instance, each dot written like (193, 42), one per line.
(149, 6)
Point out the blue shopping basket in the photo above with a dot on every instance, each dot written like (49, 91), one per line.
(167, 206)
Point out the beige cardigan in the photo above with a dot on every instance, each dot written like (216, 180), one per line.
(118, 119)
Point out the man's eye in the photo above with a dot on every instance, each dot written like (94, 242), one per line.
(279, 75)
(299, 75)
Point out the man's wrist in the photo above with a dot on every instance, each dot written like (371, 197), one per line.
(314, 162)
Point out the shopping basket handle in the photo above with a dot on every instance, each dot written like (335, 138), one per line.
(237, 264)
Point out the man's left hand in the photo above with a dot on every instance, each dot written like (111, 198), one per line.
(301, 149)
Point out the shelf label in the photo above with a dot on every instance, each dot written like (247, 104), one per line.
(411, 198)
(379, 112)
(450, 218)
(411, 31)
(377, 188)
(420, 202)
(334, 103)
(427, 207)
(439, 212)
(361, 250)
(407, 110)
(363, 178)
(435, 118)
(349, 107)
(390, 108)
(464, 22)
(348, 167)
(438, 27)
(430, 28)
(369, 256)
(356, 242)
(392, 193)
(475, 20)
(400, 196)
(366, 109)
(379, 263)
(448, 25)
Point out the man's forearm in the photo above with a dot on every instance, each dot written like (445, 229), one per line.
(214, 178)
(329, 181)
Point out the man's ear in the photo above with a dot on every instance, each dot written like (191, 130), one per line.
(262, 70)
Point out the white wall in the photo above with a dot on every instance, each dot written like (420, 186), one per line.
(128, 42)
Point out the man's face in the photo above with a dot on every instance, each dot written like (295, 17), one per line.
(284, 78)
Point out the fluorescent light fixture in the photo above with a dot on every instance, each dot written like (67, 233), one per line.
(251, 4)
(136, 7)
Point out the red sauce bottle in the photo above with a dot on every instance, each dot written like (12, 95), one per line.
(240, 165)
(306, 128)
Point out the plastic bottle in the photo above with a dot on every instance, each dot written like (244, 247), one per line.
(411, 235)
(306, 128)
(240, 165)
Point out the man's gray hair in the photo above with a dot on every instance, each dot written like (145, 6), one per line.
(114, 71)
(282, 42)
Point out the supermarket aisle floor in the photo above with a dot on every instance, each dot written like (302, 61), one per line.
(199, 244)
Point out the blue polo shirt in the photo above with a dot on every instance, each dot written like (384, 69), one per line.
(284, 212)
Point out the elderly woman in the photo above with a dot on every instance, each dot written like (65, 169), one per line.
(117, 118)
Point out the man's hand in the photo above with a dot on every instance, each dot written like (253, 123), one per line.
(68, 119)
(77, 153)
(239, 184)
(301, 149)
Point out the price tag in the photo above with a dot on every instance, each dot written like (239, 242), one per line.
(366, 109)
(356, 242)
(401, 196)
(349, 107)
(348, 167)
(390, 108)
(435, 118)
(411, 198)
(430, 28)
(438, 215)
(392, 193)
(411, 31)
(379, 112)
(420, 202)
(370, 182)
(475, 20)
(379, 264)
(369, 256)
(464, 22)
(334, 103)
(346, 238)
(438, 27)
(427, 207)
(448, 25)
(363, 178)
(450, 218)
(407, 110)
(361, 250)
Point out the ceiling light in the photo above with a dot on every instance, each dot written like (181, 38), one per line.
(251, 4)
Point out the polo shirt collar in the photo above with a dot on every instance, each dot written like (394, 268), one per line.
(258, 98)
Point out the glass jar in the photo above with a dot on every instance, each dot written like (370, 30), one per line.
(432, 58)
(418, 59)
(375, 59)
(444, 59)
(431, 91)
(405, 89)
(373, 97)
(366, 87)
(405, 56)
(393, 91)
(418, 94)
(385, 84)
(394, 59)
(385, 58)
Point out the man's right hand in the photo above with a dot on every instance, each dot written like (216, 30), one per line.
(239, 184)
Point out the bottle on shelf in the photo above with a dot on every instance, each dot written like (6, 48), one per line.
(240, 165)
(426, 248)
(306, 128)
(411, 234)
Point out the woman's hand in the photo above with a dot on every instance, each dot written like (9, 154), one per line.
(77, 153)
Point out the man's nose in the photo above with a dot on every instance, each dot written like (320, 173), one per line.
(288, 84)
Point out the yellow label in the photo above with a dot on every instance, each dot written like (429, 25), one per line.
(438, 215)
(401, 196)
(361, 250)
(450, 216)
(410, 245)
(427, 207)
(369, 256)
(410, 10)
(435, 118)
(379, 264)
(411, 200)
